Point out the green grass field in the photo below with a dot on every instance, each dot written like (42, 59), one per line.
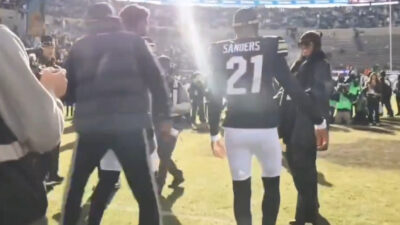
(359, 181)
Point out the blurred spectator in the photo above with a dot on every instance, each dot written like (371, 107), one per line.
(374, 93)
(360, 103)
(386, 93)
(45, 56)
(397, 92)
(344, 105)
(197, 94)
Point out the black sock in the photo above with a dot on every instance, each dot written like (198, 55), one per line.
(271, 201)
(242, 201)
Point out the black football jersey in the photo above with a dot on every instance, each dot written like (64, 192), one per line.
(242, 72)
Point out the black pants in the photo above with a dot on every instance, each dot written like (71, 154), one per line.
(198, 108)
(131, 151)
(305, 179)
(54, 161)
(22, 194)
(102, 195)
(388, 105)
(165, 150)
(373, 109)
(48, 164)
(398, 104)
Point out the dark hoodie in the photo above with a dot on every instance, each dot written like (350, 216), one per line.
(314, 75)
(111, 73)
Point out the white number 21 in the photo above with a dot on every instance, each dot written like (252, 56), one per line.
(241, 70)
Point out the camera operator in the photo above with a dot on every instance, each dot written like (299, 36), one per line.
(360, 102)
(345, 104)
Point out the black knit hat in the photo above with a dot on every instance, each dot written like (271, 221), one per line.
(246, 16)
(100, 11)
(311, 37)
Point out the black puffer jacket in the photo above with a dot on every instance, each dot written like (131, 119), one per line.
(314, 75)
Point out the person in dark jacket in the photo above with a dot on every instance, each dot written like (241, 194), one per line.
(397, 92)
(134, 19)
(386, 93)
(197, 94)
(114, 68)
(314, 74)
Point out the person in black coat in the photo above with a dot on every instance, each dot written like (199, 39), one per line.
(197, 94)
(298, 132)
(397, 92)
(386, 93)
(114, 68)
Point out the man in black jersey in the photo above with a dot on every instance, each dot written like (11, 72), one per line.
(243, 70)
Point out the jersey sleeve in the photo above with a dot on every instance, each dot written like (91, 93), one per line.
(282, 49)
(215, 86)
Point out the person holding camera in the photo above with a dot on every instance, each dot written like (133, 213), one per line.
(345, 104)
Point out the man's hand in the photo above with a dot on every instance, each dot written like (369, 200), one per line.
(322, 137)
(54, 80)
(218, 148)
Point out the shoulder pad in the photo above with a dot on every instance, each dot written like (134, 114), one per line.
(222, 42)
(283, 48)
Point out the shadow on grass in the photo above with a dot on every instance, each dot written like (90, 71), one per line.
(379, 130)
(390, 126)
(68, 146)
(69, 129)
(338, 128)
(70, 118)
(322, 220)
(320, 176)
(366, 153)
(169, 218)
(83, 220)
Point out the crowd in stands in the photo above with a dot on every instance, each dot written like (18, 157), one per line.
(11, 4)
(272, 18)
